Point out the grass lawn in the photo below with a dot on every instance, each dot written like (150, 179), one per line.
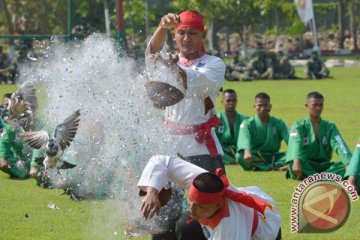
(24, 213)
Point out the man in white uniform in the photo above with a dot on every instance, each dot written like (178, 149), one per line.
(224, 212)
(191, 120)
(193, 117)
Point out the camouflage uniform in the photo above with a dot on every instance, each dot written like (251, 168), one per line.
(283, 68)
(315, 68)
(260, 68)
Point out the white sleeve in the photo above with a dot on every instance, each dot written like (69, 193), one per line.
(162, 51)
(211, 75)
(160, 169)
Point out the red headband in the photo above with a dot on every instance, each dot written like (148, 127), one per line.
(191, 19)
(244, 198)
(203, 197)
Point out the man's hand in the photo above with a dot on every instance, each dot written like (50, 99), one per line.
(150, 204)
(352, 181)
(173, 57)
(180, 73)
(33, 172)
(247, 156)
(296, 168)
(170, 20)
(158, 39)
(4, 164)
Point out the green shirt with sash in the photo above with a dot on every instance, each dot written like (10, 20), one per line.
(227, 137)
(264, 143)
(315, 153)
(12, 150)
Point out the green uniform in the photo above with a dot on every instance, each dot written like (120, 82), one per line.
(227, 138)
(284, 69)
(354, 166)
(11, 149)
(38, 153)
(315, 154)
(263, 142)
(259, 69)
(316, 69)
(237, 71)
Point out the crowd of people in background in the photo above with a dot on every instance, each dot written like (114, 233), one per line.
(262, 65)
(267, 65)
(25, 49)
(14, 54)
(8, 66)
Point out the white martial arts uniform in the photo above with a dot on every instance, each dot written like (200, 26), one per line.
(238, 225)
(205, 77)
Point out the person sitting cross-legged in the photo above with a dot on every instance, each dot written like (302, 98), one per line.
(259, 68)
(260, 139)
(315, 67)
(312, 142)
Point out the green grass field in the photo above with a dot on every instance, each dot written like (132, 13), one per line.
(23, 206)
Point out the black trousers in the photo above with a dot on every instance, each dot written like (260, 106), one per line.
(206, 162)
(187, 229)
(183, 229)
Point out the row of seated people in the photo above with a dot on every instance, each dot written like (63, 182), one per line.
(270, 65)
(255, 142)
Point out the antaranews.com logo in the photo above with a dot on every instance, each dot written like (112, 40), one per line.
(321, 203)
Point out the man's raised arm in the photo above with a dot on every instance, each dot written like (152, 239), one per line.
(157, 41)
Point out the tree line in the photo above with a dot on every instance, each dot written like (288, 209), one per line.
(142, 16)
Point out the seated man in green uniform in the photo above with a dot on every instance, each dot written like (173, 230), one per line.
(315, 68)
(12, 159)
(353, 171)
(14, 156)
(260, 139)
(312, 141)
(228, 131)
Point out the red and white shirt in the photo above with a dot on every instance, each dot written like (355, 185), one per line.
(205, 78)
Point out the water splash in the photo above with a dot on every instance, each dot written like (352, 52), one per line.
(119, 128)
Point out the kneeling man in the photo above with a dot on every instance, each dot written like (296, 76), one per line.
(224, 211)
